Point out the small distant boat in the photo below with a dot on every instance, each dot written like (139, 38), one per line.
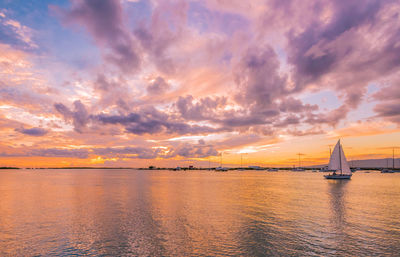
(177, 168)
(387, 171)
(255, 168)
(325, 169)
(298, 169)
(273, 169)
(338, 164)
(221, 169)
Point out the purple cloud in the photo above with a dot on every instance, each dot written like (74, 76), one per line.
(104, 20)
(172, 68)
(158, 86)
(389, 110)
(258, 79)
(204, 109)
(32, 131)
(49, 152)
(388, 102)
(128, 152)
(79, 116)
(151, 121)
(166, 27)
(54, 152)
(346, 16)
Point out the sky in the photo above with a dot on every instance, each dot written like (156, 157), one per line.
(132, 83)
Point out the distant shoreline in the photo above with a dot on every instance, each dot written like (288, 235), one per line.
(164, 168)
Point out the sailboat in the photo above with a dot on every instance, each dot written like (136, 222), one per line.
(221, 168)
(388, 170)
(338, 164)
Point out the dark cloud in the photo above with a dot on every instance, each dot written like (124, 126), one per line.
(204, 109)
(258, 79)
(389, 110)
(194, 151)
(147, 120)
(388, 98)
(291, 104)
(104, 20)
(310, 64)
(152, 121)
(49, 152)
(213, 110)
(119, 119)
(80, 117)
(343, 52)
(389, 93)
(54, 152)
(199, 150)
(128, 152)
(32, 131)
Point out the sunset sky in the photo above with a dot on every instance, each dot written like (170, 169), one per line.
(135, 83)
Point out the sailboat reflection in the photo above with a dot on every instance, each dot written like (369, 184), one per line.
(337, 196)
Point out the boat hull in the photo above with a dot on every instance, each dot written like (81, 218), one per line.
(337, 176)
(387, 171)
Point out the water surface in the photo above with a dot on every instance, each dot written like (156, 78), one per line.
(199, 213)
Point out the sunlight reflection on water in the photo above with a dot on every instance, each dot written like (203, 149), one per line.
(153, 213)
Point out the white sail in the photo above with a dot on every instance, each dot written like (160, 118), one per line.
(334, 163)
(338, 161)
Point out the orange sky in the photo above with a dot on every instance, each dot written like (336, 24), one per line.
(180, 83)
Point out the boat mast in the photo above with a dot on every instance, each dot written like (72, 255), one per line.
(393, 157)
(340, 158)
(299, 160)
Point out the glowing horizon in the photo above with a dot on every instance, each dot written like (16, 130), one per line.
(121, 83)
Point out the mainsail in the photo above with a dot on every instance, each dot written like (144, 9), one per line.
(338, 161)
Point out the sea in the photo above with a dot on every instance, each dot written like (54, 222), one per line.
(95, 212)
